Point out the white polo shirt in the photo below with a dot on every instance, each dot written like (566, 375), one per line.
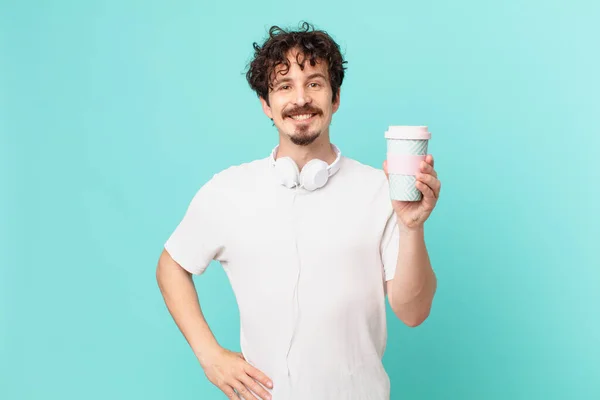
(308, 270)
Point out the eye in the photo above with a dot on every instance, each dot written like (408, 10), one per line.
(314, 85)
(284, 87)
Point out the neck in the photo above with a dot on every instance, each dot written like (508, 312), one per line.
(320, 149)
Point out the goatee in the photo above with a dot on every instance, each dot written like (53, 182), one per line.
(304, 140)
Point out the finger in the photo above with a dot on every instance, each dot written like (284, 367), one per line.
(385, 168)
(256, 389)
(432, 182)
(429, 160)
(428, 169)
(255, 374)
(243, 391)
(426, 190)
(259, 376)
(429, 180)
(229, 392)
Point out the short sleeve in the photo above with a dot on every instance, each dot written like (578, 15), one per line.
(389, 246)
(198, 238)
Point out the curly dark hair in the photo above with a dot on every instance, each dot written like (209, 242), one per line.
(313, 45)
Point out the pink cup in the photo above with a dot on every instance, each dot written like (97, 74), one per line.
(406, 149)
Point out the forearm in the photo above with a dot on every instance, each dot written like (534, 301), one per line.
(181, 298)
(414, 283)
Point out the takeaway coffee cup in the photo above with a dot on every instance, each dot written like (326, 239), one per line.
(406, 148)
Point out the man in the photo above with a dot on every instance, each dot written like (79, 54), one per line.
(310, 241)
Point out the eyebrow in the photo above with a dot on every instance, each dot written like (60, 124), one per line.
(316, 75)
(311, 76)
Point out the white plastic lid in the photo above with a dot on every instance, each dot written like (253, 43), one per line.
(407, 132)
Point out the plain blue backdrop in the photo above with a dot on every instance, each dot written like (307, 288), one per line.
(113, 113)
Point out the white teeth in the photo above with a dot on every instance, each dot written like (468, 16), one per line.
(301, 117)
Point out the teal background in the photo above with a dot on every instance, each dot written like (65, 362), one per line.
(113, 113)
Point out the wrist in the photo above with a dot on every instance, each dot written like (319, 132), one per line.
(417, 230)
(207, 353)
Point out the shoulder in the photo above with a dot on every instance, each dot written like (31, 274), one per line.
(238, 172)
(236, 176)
(364, 174)
(359, 167)
(224, 186)
(368, 184)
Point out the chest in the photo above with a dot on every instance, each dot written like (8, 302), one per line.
(328, 239)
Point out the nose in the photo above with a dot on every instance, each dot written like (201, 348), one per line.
(302, 97)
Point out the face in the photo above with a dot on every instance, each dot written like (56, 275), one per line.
(300, 103)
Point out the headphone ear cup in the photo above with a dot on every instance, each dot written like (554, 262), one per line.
(314, 175)
(287, 171)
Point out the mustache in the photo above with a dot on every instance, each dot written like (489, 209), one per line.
(302, 110)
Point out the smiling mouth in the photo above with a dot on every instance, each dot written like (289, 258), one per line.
(302, 117)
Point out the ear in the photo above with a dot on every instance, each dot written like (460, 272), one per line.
(336, 103)
(266, 108)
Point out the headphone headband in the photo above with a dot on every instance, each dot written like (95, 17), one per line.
(331, 168)
(313, 176)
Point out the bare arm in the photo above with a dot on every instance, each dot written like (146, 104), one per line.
(181, 298)
(227, 370)
(411, 292)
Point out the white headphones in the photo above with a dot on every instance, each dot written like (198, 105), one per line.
(314, 175)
